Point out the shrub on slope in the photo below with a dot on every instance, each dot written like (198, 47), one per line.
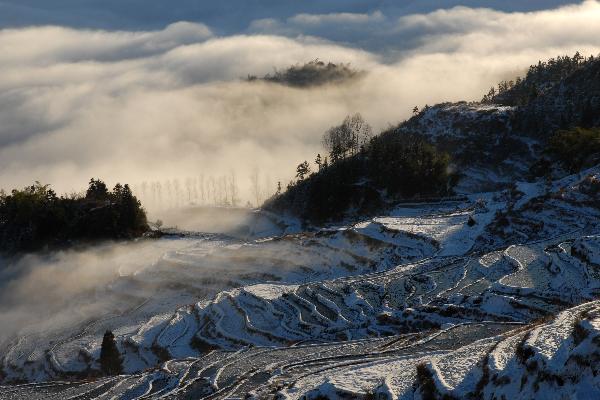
(576, 148)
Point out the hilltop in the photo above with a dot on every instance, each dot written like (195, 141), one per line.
(514, 133)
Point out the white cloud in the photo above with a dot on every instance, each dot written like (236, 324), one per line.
(336, 18)
(133, 106)
(52, 44)
(487, 31)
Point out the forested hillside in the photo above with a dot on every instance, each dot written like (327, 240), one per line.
(542, 124)
(35, 217)
(364, 173)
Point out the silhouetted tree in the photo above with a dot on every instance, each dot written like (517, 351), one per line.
(302, 170)
(361, 132)
(35, 216)
(97, 190)
(539, 78)
(318, 161)
(255, 186)
(348, 138)
(395, 165)
(110, 358)
(233, 189)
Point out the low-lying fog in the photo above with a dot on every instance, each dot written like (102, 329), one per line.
(166, 105)
(57, 291)
(169, 105)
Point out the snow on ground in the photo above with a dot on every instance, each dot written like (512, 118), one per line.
(451, 228)
(588, 247)
(458, 372)
(270, 291)
(447, 118)
(453, 286)
(397, 374)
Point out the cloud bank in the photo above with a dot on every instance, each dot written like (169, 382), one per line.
(148, 105)
(228, 17)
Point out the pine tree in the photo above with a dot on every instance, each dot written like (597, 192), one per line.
(97, 190)
(318, 161)
(302, 170)
(489, 98)
(110, 358)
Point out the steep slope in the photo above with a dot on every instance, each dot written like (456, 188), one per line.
(485, 149)
(498, 141)
(566, 93)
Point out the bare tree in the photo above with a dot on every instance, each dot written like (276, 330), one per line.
(201, 184)
(195, 190)
(255, 186)
(266, 192)
(158, 187)
(213, 186)
(361, 132)
(188, 188)
(223, 190)
(168, 189)
(144, 188)
(348, 138)
(233, 189)
(177, 190)
(337, 140)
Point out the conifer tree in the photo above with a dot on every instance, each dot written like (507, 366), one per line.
(110, 358)
(97, 190)
(302, 170)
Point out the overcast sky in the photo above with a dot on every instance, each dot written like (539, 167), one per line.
(140, 90)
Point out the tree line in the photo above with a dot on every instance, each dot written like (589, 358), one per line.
(205, 190)
(35, 217)
(174, 193)
(361, 172)
(539, 78)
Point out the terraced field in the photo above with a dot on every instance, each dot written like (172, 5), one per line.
(493, 295)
